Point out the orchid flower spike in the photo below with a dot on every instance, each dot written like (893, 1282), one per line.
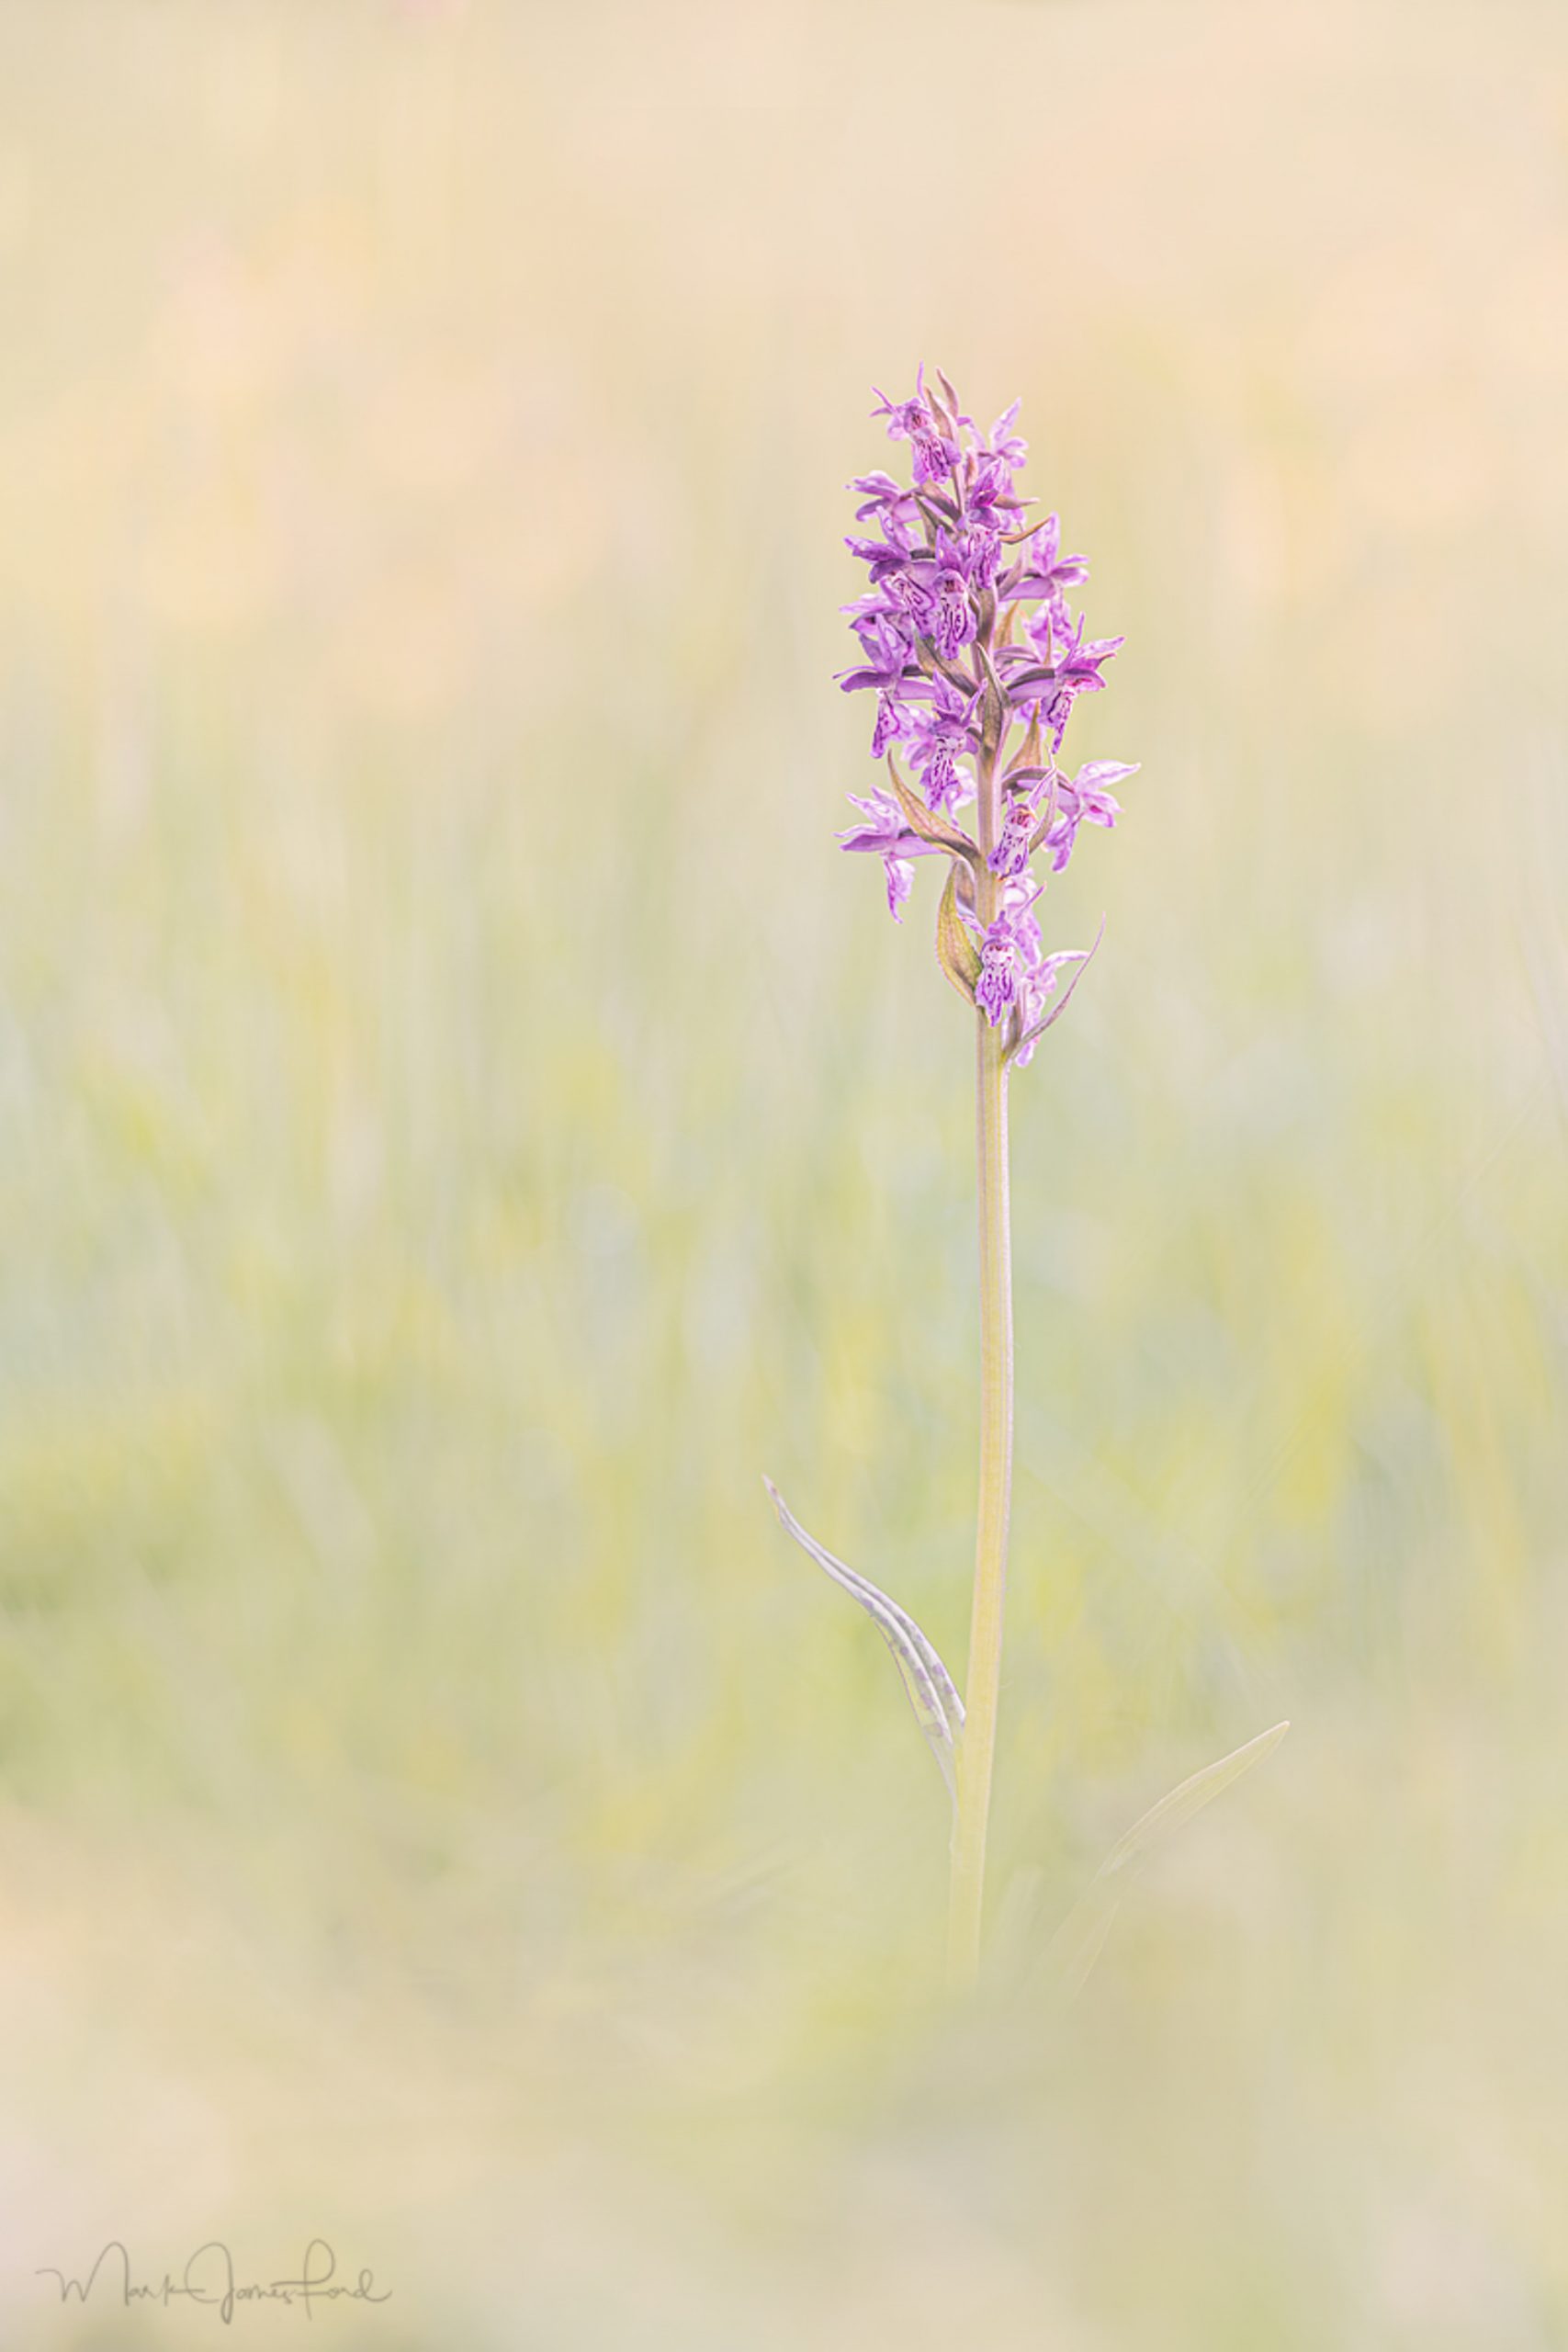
(964, 636)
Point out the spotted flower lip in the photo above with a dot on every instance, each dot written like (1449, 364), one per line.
(1009, 948)
(997, 988)
(940, 736)
(1010, 855)
(957, 661)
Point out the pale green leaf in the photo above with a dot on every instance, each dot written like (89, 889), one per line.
(1189, 1798)
(1078, 1941)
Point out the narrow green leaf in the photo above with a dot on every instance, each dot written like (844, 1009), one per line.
(956, 951)
(1078, 1941)
(1081, 1937)
(1189, 1798)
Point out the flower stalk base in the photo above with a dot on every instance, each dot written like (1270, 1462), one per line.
(977, 1747)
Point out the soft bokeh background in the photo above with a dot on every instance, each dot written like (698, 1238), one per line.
(461, 1122)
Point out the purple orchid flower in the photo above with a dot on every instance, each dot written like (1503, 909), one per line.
(906, 418)
(953, 627)
(986, 484)
(1085, 800)
(1004, 443)
(1010, 855)
(935, 630)
(887, 555)
(1043, 571)
(935, 457)
(939, 737)
(1053, 684)
(886, 835)
(1009, 947)
(983, 551)
(997, 986)
(891, 501)
(934, 454)
(886, 669)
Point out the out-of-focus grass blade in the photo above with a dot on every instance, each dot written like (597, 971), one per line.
(932, 1692)
(1189, 1798)
(1080, 1940)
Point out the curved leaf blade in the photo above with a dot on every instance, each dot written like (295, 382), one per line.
(956, 951)
(931, 1690)
(1190, 1797)
(1031, 1037)
(930, 827)
(1080, 1940)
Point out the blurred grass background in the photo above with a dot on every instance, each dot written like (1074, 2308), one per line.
(461, 1121)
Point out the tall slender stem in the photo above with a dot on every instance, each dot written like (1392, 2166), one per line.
(979, 1742)
(996, 1490)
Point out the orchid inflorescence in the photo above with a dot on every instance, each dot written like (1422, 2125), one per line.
(958, 663)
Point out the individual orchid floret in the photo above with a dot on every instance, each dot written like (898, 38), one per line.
(1004, 443)
(1016, 840)
(997, 985)
(1085, 800)
(1010, 855)
(1051, 683)
(913, 421)
(1005, 951)
(913, 602)
(905, 418)
(952, 622)
(939, 737)
(886, 834)
(983, 551)
(1043, 571)
(887, 665)
(935, 457)
(890, 554)
(892, 503)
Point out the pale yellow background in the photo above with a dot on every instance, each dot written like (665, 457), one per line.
(461, 1122)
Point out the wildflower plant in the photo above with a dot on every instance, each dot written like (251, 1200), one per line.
(967, 645)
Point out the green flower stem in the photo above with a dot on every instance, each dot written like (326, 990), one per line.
(977, 1748)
